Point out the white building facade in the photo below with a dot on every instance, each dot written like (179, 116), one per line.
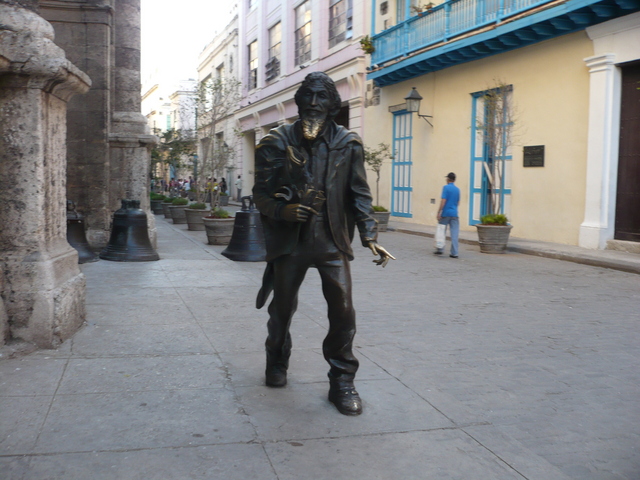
(282, 41)
(220, 90)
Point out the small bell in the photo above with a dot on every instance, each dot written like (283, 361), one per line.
(247, 241)
(129, 241)
(76, 235)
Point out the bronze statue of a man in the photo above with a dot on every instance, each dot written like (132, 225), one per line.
(311, 190)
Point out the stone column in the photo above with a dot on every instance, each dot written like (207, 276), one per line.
(130, 141)
(602, 152)
(83, 29)
(43, 290)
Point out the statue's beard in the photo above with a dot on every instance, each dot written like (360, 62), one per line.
(311, 127)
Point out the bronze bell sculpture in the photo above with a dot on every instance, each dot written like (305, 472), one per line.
(129, 241)
(76, 235)
(247, 241)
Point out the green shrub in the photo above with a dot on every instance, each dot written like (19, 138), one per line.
(156, 196)
(378, 208)
(197, 206)
(494, 219)
(219, 213)
(224, 194)
(180, 201)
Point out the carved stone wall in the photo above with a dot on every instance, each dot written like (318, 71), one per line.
(42, 290)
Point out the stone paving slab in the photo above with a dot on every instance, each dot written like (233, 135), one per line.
(236, 461)
(489, 367)
(31, 376)
(140, 374)
(148, 419)
(137, 339)
(21, 422)
(439, 454)
(302, 411)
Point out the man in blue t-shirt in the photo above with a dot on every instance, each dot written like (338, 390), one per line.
(448, 213)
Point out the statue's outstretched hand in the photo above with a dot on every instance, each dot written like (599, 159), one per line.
(296, 213)
(384, 255)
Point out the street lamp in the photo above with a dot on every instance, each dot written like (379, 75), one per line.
(413, 104)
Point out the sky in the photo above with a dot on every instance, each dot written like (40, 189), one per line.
(174, 32)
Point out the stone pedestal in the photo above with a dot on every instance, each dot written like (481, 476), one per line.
(43, 290)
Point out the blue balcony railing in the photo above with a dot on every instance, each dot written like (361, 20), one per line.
(452, 18)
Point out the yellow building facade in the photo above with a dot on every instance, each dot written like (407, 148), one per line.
(563, 97)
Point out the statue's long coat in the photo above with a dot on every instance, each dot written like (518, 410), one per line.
(348, 197)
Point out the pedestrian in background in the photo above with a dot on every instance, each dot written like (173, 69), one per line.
(448, 214)
(239, 187)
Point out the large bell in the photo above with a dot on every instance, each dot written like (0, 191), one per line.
(129, 240)
(247, 240)
(76, 235)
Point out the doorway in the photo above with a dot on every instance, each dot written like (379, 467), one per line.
(627, 224)
(401, 165)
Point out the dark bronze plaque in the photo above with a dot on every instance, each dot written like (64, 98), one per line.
(534, 156)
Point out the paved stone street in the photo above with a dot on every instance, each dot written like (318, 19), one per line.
(488, 367)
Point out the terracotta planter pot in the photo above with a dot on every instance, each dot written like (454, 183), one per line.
(493, 238)
(219, 230)
(177, 214)
(194, 218)
(165, 209)
(383, 220)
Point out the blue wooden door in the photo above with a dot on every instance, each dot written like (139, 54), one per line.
(482, 164)
(401, 165)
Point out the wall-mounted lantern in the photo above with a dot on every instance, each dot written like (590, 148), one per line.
(413, 104)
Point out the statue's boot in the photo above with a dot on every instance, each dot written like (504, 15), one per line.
(276, 372)
(343, 394)
(276, 375)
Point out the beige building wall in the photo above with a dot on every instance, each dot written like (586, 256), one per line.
(550, 93)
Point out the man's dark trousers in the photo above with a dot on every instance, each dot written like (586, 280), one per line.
(317, 249)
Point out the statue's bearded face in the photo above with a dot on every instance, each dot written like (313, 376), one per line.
(314, 104)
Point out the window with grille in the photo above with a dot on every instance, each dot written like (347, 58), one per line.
(273, 64)
(340, 21)
(303, 33)
(253, 65)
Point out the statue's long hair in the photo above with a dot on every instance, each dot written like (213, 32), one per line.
(325, 80)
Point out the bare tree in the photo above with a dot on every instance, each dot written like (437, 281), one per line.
(174, 149)
(497, 127)
(217, 100)
(374, 158)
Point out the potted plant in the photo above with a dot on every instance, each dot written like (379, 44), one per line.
(497, 127)
(493, 233)
(421, 10)
(166, 203)
(219, 227)
(374, 158)
(366, 45)
(195, 212)
(224, 199)
(156, 202)
(177, 210)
